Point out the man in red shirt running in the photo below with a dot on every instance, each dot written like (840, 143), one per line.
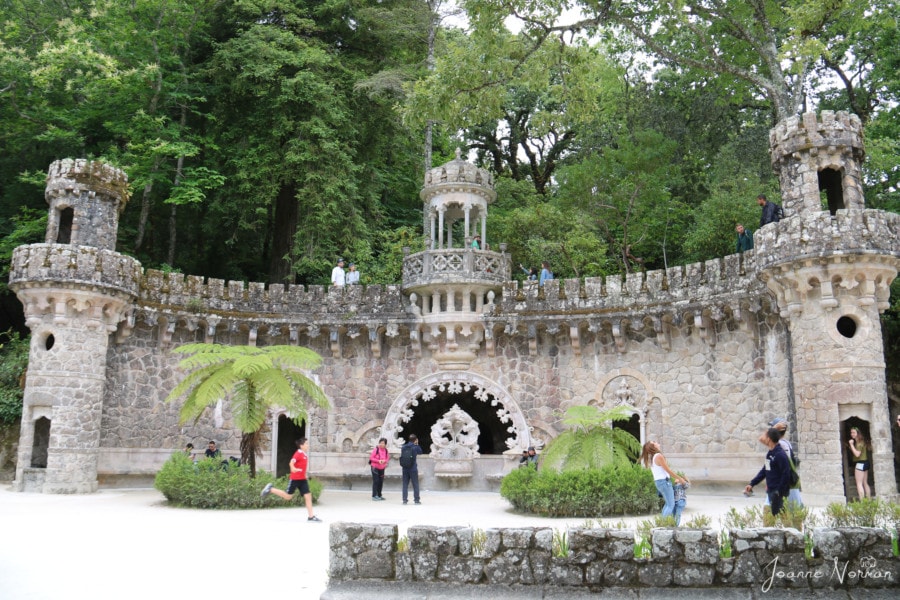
(299, 467)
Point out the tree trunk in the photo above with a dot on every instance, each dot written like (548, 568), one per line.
(281, 268)
(248, 451)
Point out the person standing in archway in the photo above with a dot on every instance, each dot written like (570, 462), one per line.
(409, 453)
(859, 448)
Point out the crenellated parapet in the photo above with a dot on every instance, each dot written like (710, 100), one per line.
(76, 176)
(816, 253)
(68, 266)
(699, 296)
(819, 152)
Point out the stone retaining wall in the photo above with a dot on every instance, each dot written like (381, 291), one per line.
(770, 557)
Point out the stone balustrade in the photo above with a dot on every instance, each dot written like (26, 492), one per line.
(455, 265)
(598, 558)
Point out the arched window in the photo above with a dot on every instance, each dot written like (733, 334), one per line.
(64, 234)
(831, 189)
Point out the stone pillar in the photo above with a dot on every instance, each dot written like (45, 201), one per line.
(830, 270)
(74, 297)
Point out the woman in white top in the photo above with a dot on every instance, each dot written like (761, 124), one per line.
(653, 459)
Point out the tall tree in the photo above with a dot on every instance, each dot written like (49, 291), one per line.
(771, 45)
(253, 380)
(520, 107)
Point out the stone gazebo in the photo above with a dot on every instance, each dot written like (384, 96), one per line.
(450, 287)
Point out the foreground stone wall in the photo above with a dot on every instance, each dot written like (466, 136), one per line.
(769, 558)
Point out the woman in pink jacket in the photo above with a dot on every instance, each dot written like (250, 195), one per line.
(378, 460)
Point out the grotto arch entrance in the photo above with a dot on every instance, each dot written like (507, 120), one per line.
(502, 426)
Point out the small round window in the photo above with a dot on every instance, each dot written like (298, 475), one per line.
(847, 327)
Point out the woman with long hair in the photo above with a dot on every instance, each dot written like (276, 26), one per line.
(653, 459)
(860, 448)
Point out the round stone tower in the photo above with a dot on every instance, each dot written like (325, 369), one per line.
(453, 280)
(830, 264)
(76, 290)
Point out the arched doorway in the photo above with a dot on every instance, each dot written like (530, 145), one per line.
(41, 445)
(288, 433)
(501, 423)
(492, 435)
(847, 457)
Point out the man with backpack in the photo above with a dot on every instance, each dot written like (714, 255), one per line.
(408, 454)
(776, 471)
(771, 212)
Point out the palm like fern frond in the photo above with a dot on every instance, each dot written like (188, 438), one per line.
(591, 442)
(253, 380)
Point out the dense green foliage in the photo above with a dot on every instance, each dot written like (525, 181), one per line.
(209, 484)
(265, 138)
(590, 442)
(612, 490)
(13, 365)
(587, 471)
(252, 380)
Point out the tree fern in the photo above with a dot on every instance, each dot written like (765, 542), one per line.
(591, 442)
(252, 380)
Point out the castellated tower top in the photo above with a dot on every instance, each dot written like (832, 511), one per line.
(86, 199)
(818, 159)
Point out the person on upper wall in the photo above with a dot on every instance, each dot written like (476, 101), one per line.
(771, 212)
(744, 239)
(546, 273)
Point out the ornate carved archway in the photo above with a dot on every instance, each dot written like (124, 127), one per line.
(458, 382)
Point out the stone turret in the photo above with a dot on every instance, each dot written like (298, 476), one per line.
(76, 291)
(451, 284)
(830, 264)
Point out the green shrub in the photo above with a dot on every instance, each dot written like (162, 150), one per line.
(210, 484)
(611, 490)
(865, 512)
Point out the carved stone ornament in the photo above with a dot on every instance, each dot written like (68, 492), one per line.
(455, 435)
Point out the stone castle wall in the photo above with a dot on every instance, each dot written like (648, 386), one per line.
(737, 359)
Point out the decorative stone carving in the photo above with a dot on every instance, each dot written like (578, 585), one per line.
(455, 435)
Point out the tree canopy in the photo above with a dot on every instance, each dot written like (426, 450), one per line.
(265, 138)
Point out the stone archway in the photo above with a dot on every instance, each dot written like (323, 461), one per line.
(454, 385)
(631, 389)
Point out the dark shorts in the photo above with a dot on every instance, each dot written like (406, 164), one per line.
(862, 465)
(298, 484)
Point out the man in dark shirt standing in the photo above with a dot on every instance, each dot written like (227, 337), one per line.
(776, 471)
(770, 211)
(409, 453)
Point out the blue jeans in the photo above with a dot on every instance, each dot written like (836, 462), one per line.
(679, 508)
(664, 487)
(412, 475)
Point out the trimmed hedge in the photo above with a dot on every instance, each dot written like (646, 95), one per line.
(593, 493)
(210, 484)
